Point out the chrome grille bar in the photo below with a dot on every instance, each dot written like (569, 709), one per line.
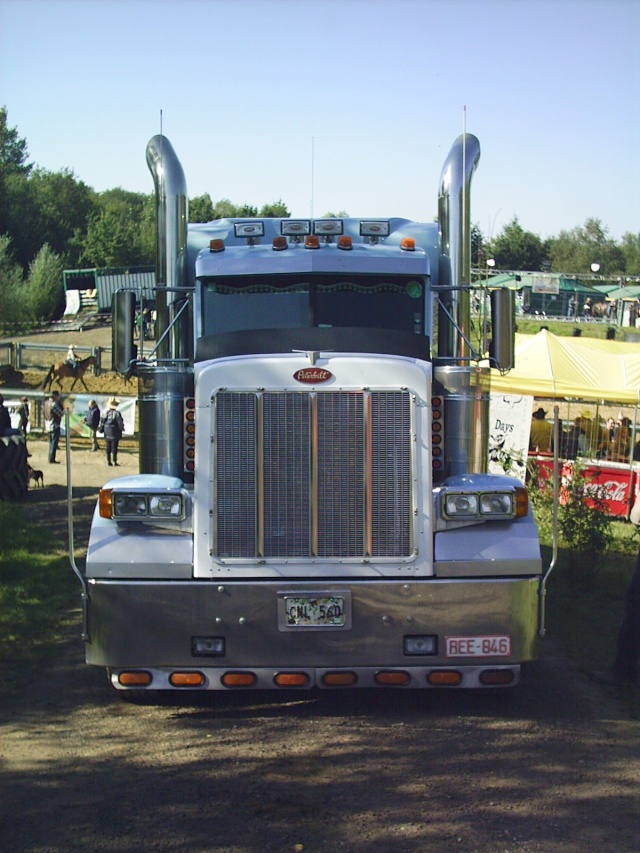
(310, 475)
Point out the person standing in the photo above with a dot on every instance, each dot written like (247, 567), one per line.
(541, 435)
(92, 420)
(23, 414)
(5, 418)
(53, 413)
(112, 424)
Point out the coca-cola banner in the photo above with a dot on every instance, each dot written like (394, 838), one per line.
(614, 484)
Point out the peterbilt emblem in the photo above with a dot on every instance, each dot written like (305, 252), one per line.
(312, 375)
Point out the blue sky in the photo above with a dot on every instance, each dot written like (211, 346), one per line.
(375, 89)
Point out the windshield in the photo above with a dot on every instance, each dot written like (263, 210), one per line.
(276, 302)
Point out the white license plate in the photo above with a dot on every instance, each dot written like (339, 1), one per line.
(322, 612)
(478, 647)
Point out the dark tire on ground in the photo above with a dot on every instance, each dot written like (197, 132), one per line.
(14, 472)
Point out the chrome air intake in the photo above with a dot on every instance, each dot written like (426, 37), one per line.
(464, 387)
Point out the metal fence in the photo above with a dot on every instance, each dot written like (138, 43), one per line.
(24, 356)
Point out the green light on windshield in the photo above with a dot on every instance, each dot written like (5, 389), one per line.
(414, 289)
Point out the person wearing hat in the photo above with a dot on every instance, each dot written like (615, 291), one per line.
(541, 435)
(72, 358)
(112, 424)
(53, 412)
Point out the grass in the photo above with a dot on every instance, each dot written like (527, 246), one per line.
(585, 604)
(564, 328)
(38, 589)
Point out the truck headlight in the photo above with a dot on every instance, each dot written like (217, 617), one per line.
(460, 506)
(137, 506)
(499, 503)
(165, 506)
(130, 505)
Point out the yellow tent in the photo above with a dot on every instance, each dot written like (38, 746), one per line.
(584, 368)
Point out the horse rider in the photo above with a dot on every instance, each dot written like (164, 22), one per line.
(72, 358)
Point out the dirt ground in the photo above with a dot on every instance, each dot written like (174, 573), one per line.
(552, 766)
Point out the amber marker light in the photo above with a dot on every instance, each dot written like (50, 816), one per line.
(238, 679)
(279, 244)
(393, 678)
(408, 244)
(312, 242)
(291, 679)
(216, 245)
(496, 676)
(445, 678)
(522, 502)
(345, 243)
(134, 679)
(105, 503)
(186, 679)
(339, 679)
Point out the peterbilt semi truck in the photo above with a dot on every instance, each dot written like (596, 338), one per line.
(313, 509)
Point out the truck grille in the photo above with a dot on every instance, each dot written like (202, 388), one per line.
(312, 475)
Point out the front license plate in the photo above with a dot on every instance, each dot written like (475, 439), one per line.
(306, 611)
(478, 647)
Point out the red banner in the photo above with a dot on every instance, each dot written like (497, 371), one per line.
(617, 484)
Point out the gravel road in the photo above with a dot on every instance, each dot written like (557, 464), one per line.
(552, 766)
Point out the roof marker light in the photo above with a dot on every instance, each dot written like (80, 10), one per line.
(216, 245)
(408, 244)
(279, 244)
(312, 242)
(374, 228)
(327, 227)
(295, 227)
(345, 243)
(249, 229)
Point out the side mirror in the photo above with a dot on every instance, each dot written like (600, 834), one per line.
(503, 312)
(123, 350)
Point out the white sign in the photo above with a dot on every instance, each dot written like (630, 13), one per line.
(545, 284)
(509, 428)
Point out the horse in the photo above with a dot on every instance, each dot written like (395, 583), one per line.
(63, 370)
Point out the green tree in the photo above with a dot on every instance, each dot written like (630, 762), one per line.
(576, 250)
(517, 249)
(63, 206)
(11, 285)
(247, 211)
(274, 210)
(630, 248)
(13, 149)
(201, 208)
(224, 209)
(44, 289)
(120, 233)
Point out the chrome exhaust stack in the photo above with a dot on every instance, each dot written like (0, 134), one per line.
(162, 386)
(465, 387)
